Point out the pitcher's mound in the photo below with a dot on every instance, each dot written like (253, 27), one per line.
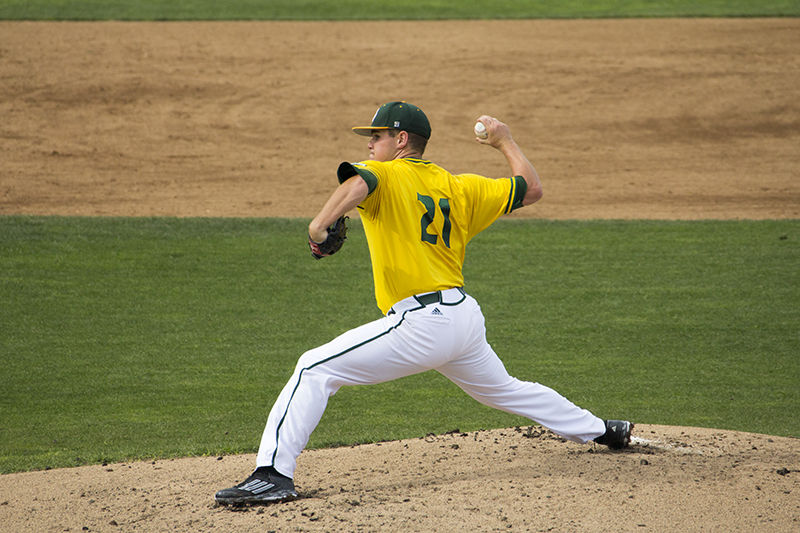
(515, 479)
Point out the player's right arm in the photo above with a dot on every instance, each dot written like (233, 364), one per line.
(499, 137)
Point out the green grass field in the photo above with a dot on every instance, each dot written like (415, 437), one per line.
(371, 10)
(128, 338)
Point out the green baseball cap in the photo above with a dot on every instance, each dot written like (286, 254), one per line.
(398, 116)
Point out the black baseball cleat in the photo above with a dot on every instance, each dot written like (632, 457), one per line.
(264, 488)
(617, 435)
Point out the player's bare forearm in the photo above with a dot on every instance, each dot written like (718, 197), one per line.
(521, 166)
(499, 137)
(348, 195)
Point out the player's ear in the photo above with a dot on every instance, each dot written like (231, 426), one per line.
(401, 139)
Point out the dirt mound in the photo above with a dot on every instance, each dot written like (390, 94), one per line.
(517, 479)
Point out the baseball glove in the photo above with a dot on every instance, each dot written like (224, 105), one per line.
(337, 233)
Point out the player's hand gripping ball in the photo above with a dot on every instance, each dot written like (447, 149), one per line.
(337, 233)
(480, 130)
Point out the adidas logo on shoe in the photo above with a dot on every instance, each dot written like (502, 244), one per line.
(257, 486)
(257, 489)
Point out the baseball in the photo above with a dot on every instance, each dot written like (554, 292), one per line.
(480, 130)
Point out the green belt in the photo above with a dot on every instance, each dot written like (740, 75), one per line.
(433, 297)
(430, 298)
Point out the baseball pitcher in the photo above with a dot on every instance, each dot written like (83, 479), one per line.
(418, 219)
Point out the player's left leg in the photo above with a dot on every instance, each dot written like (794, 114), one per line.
(354, 357)
(389, 348)
(412, 339)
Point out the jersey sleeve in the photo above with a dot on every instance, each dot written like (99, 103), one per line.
(492, 198)
(348, 170)
(374, 174)
(519, 192)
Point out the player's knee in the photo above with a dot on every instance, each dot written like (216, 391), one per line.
(306, 360)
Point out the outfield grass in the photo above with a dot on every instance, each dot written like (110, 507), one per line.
(371, 10)
(128, 338)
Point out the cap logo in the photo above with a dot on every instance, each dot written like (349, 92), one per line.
(396, 123)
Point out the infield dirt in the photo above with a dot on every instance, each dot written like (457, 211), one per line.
(625, 119)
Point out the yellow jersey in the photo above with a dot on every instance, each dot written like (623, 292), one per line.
(418, 219)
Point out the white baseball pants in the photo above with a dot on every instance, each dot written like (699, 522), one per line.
(442, 331)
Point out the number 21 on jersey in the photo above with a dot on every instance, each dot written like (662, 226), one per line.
(427, 219)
